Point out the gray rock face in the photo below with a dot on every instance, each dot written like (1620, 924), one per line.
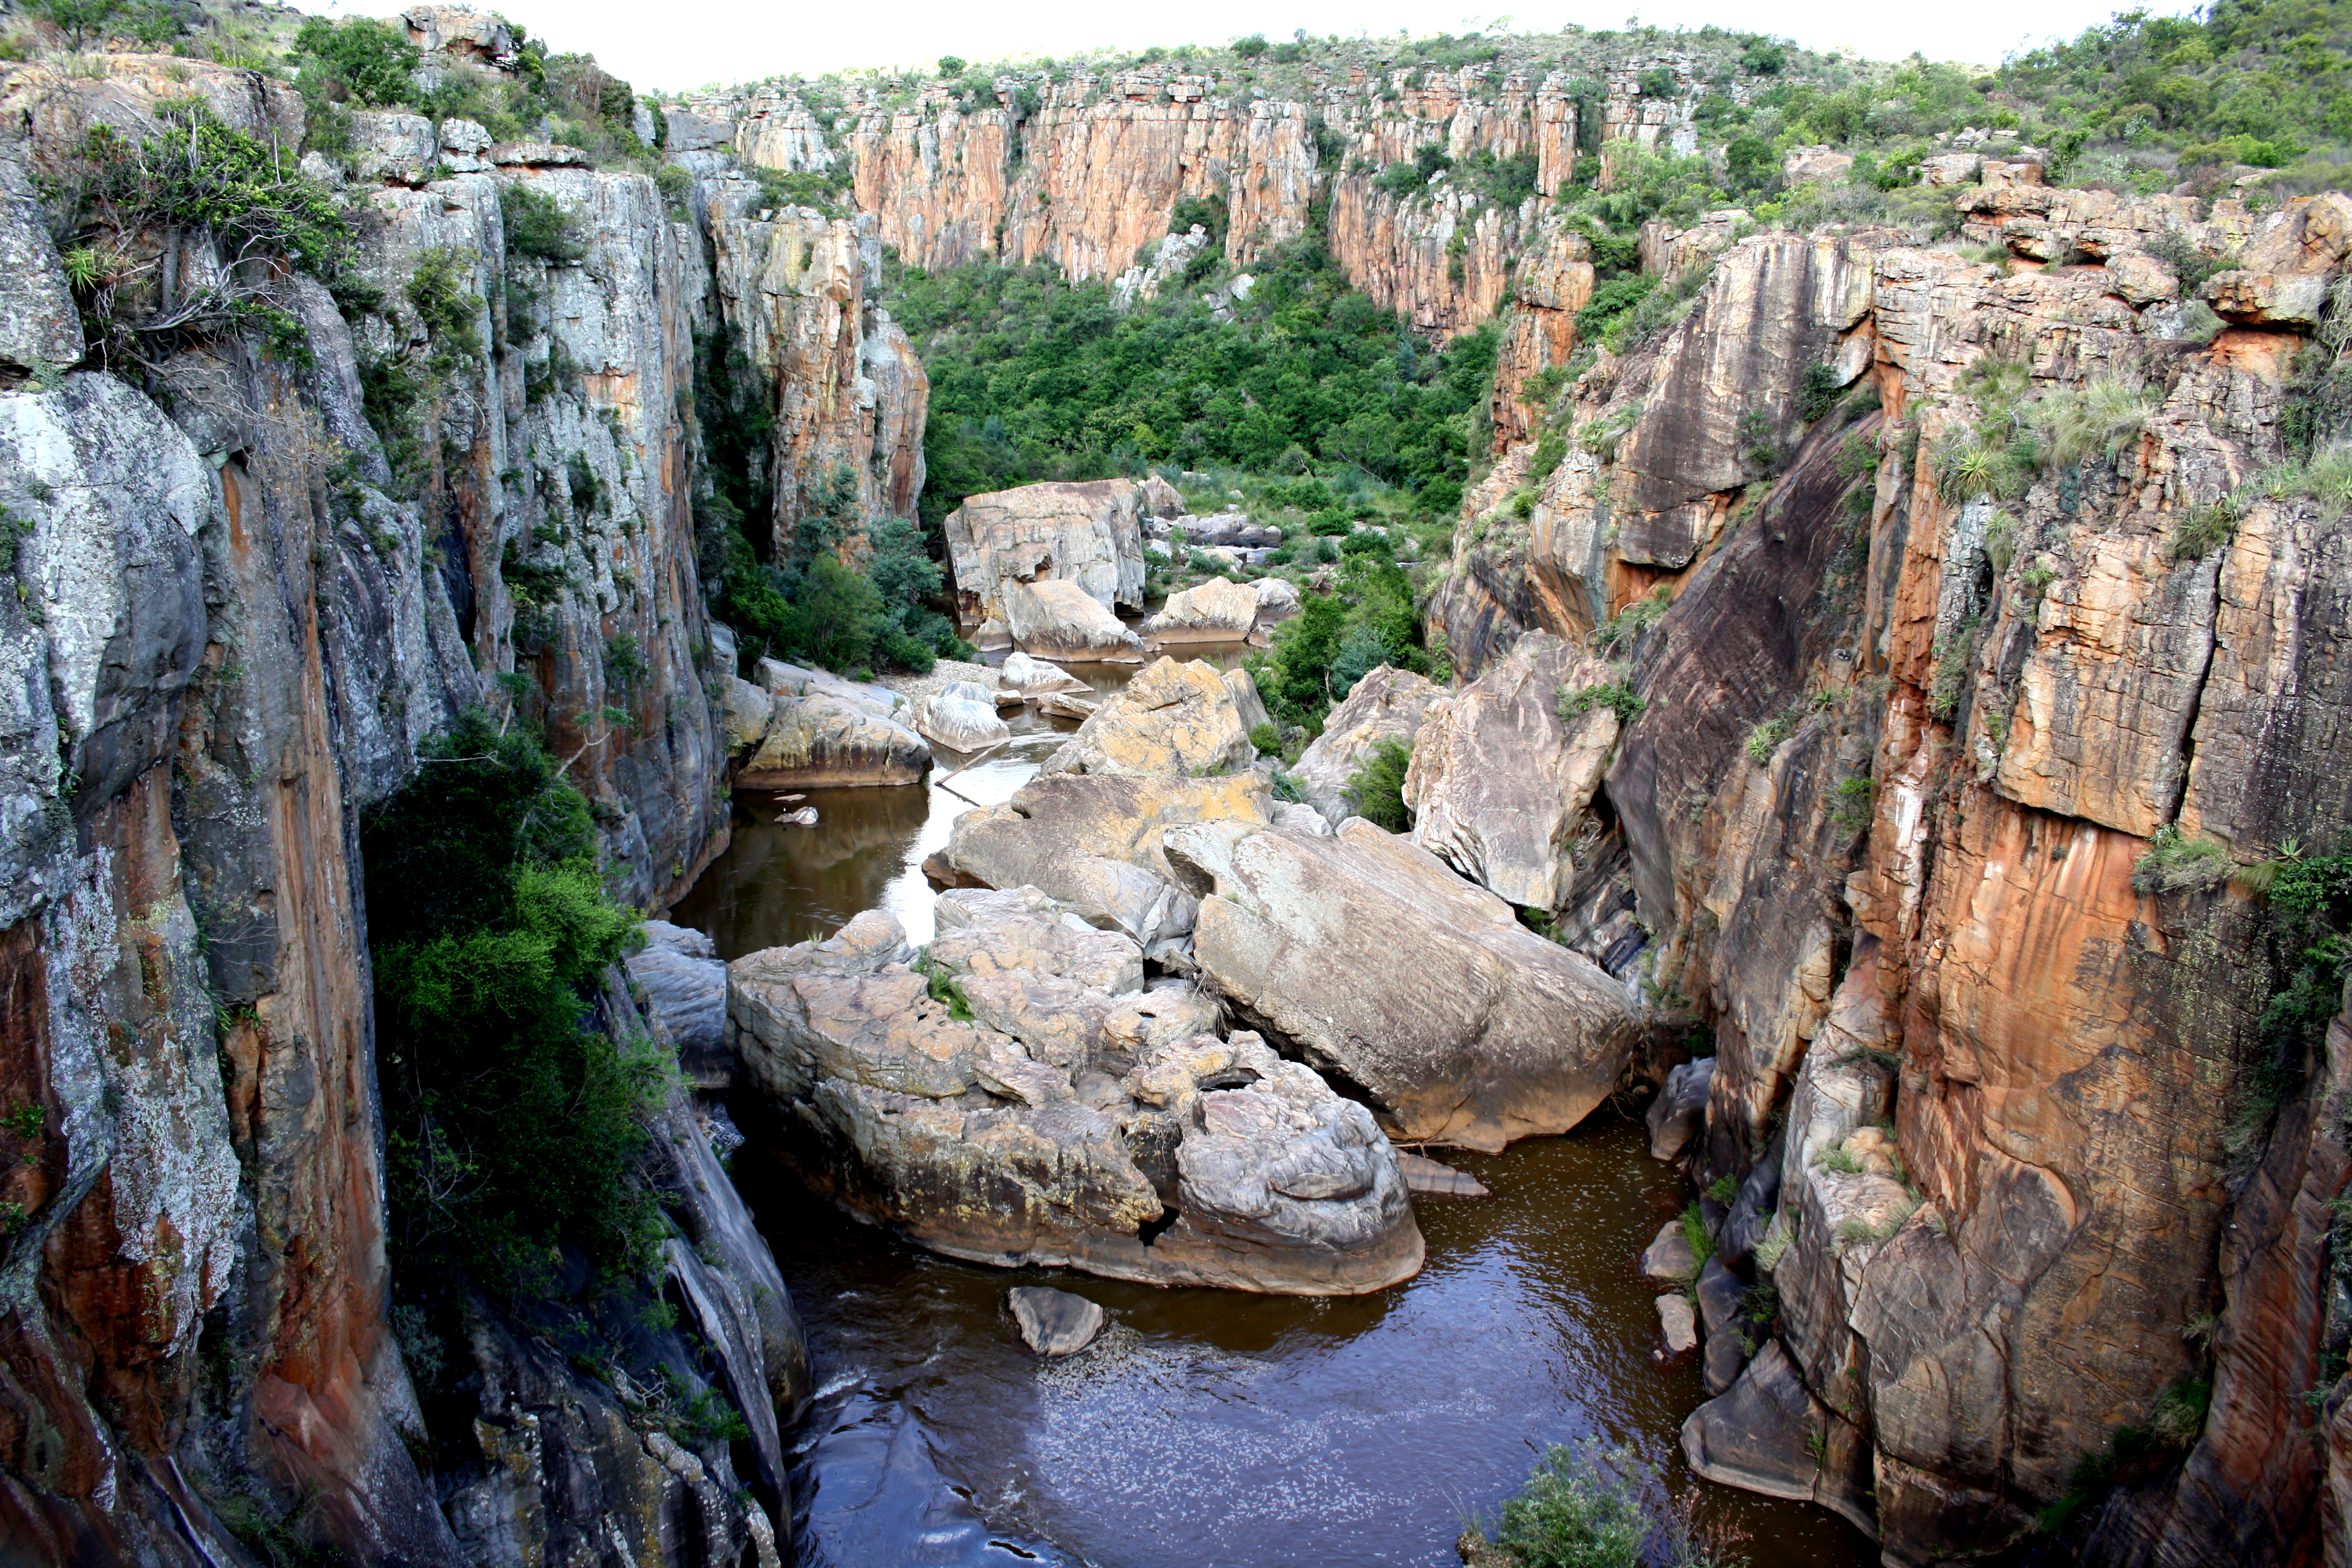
(39, 324)
(1501, 780)
(1054, 1322)
(1385, 705)
(1074, 1119)
(1756, 1436)
(685, 987)
(1721, 1294)
(1378, 964)
(1679, 1112)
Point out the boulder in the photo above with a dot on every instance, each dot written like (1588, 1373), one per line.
(1679, 1325)
(1822, 164)
(1669, 1258)
(1248, 706)
(1501, 780)
(807, 741)
(1033, 676)
(1094, 843)
(1385, 705)
(2269, 298)
(1058, 619)
(1951, 168)
(1277, 599)
(800, 681)
(1054, 1322)
(1173, 720)
(1113, 1133)
(1426, 1178)
(1366, 955)
(1088, 535)
(1219, 610)
(1721, 1294)
(1679, 1112)
(684, 986)
(960, 716)
(1162, 499)
(1079, 705)
(1769, 1435)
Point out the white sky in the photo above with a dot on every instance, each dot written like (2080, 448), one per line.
(679, 44)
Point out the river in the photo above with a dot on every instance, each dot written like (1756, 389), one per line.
(1206, 1426)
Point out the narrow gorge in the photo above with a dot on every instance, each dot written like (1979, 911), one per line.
(1171, 807)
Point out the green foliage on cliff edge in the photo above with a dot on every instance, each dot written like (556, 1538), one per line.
(513, 1118)
(1587, 1505)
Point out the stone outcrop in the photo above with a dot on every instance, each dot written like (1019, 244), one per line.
(1172, 721)
(1089, 534)
(1219, 610)
(1501, 777)
(1896, 757)
(1054, 1322)
(810, 738)
(1058, 619)
(1386, 705)
(1377, 964)
(1076, 1120)
(960, 716)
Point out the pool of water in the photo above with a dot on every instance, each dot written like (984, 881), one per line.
(1205, 1426)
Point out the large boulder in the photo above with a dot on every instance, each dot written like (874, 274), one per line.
(1219, 610)
(1769, 1435)
(1035, 677)
(960, 716)
(1058, 619)
(1385, 705)
(1172, 721)
(1501, 780)
(816, 740)
(1161, 499)
(1094, 842)
(1679, 1112)
(1089, 534)
(1368, 956)
(1137, 1145)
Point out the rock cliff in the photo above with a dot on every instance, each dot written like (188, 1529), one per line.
(1935, 679)
(254, 570)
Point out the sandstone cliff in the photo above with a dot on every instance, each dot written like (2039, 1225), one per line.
(1927, 712)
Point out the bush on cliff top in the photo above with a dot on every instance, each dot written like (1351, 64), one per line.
(512, 1117)
(1588, 1505)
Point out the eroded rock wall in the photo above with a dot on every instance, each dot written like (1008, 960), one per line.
(1909, 732)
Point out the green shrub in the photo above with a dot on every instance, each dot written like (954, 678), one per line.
(1954, 668)
(538, 227)
(1819, 392)
(1266, 740)
(441, 289)
(2199, 532)
(358, 59)
(511, 1119)
(1635, 618)
(1855, 799)
(1377, 786)
(1619, 697)
(1765, 739)
(1590, 1506)
(2173, 864)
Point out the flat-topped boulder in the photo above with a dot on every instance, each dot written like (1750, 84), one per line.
(1088, 533)
(1372, 961)
(1219, 610)
(1058, 619)
(1171, 721)
(1387, 704)
(784, 742)
(1105, 1126)
(1034, 678)
(1054, 1322)
(1094, 842)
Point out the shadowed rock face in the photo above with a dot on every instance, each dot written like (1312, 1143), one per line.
(1075, 1119)
(1380, 965)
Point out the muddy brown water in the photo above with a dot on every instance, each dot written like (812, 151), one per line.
(1205, 1426)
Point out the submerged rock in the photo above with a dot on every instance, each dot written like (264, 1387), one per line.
(1054, 1322)
(1023, 1100)
(1379, 965)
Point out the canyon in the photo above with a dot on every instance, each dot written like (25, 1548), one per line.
(1793, 724)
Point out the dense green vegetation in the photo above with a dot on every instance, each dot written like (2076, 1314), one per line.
(1035, 377)
(513, 1116)
(1589, 1506)
(1365, 621)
